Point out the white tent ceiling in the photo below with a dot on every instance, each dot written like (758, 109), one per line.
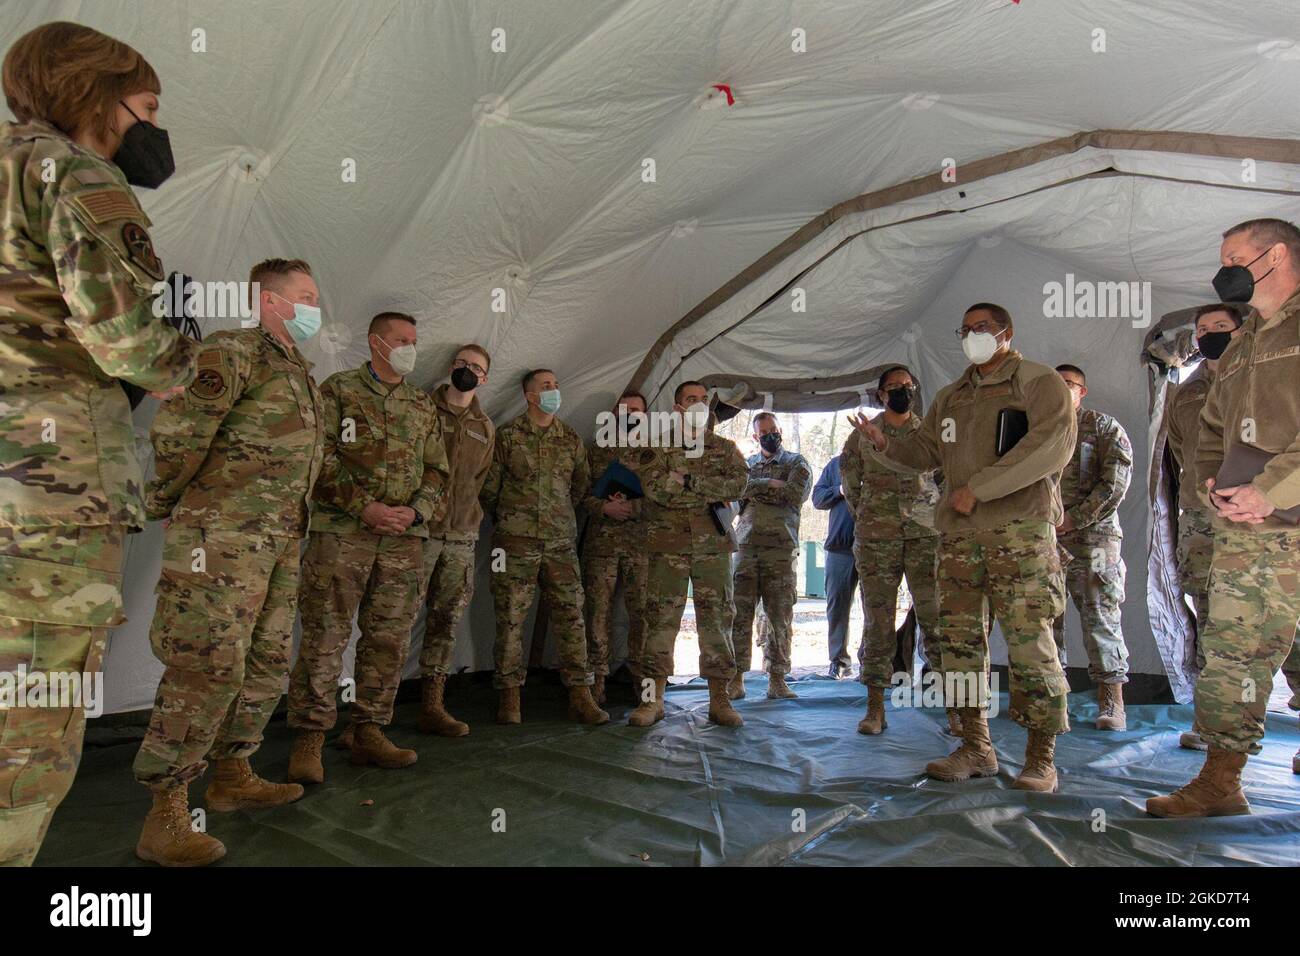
(521, 170)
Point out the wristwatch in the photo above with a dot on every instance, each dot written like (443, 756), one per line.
(686, 481)
(419, 518)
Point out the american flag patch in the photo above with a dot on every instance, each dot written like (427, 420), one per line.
(106, 205)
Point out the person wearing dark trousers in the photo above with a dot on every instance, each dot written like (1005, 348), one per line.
(841, 572)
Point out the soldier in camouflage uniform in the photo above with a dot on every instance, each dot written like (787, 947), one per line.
(1092, 486)
(613, 549)
(537, 479)
(1255, 573)
(687, 550)
(468, 436)
(76, 315)
(997, 520)
(235, 459)
(763, 567)
(382, 483)
(893, 536)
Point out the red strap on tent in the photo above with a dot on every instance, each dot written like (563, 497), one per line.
(731, 100)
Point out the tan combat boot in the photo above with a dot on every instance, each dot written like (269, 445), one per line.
(874, 722)
(975, 756)
(508, 706)
(1192, 740)
(1216, 791)
(1110, 707)
(304, 760)
(582, 706)
(649, 712)
(954, 723)
(434, 718)
(598, 689)
(168, 839)
(778, 689)
(235, 787)
(1040, 772)
(720, 710)
(370, 746)
(736, 686)
(344, 740)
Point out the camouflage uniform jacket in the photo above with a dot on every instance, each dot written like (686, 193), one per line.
(1183, 414)
(1255, 389)
(537, 478)
(469, 436)
(677, 519)
(77, 272)
(1095, 481)
(887, 504)
(770, 518)
(241, 449)
(382, 443)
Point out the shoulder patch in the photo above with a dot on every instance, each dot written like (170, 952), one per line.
(210, 383)
(139, 247)
(105, 205)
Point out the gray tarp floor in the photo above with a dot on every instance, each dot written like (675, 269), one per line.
(689, 793)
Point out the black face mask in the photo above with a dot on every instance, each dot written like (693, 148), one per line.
(145, 156)
(771, 442)
(1235, 283)
(1212, 344)
(899, 400)
(463, 379)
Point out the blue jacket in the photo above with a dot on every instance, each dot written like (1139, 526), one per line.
(826, 496)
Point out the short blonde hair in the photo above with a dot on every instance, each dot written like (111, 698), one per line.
(71, 77)
(472, 347)
(276, 269)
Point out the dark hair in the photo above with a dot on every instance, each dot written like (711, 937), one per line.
(677, 392)
(632, 393)
(753, 422)
(1238, 312)
(1269, 232)
(1000, 315)
(72, 77)
(383, 318)
(1066, 367)
(530, 375)
(890, 371)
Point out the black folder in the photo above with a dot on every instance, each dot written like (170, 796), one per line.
(1241, 465)
(1013, 425)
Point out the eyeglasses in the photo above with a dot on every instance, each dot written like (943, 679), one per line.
(989, 327)
(478, 370)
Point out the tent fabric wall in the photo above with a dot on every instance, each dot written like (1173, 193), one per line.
(520, 170)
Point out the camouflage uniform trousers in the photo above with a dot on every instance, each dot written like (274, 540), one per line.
(555, 565)
(1014, 570)
(767, 575)
(1098, 595)
(378, 578)
(1254, 607)
(224, 632)
(600, 576)
(40, 747)
(882, 563)
(449, 573)
(1193, 555)
(709, 577)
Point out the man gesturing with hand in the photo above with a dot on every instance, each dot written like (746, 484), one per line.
(997, 522)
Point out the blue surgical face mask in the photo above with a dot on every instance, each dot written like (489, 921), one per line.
(305, 322)
(549, 401)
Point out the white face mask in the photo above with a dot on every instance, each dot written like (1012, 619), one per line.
(697, 416)
(402, 358)
(980, 346)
